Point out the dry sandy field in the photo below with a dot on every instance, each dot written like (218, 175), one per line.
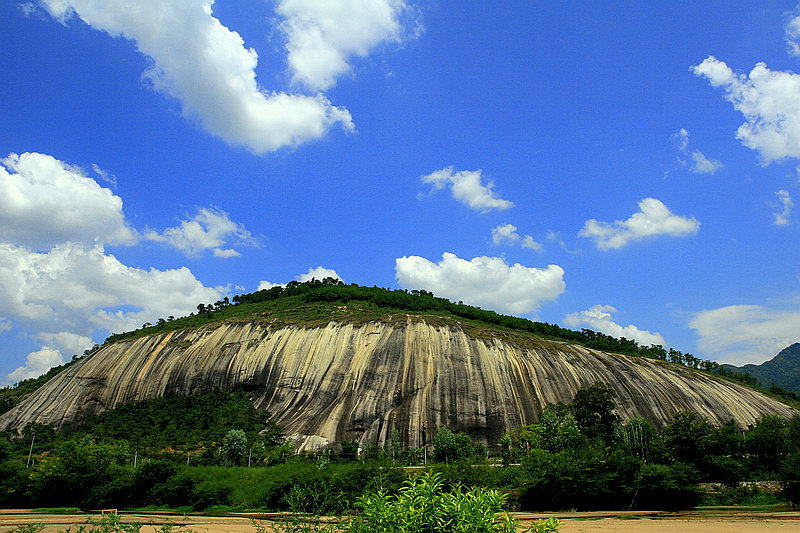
(717, 520)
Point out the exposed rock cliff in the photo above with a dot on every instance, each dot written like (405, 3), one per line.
(345, 381)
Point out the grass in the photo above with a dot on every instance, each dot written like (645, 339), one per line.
(56, 510)
(742, 496)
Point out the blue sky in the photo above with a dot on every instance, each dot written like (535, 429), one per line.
(620, 166)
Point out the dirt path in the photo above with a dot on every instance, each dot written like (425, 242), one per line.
(719, 520)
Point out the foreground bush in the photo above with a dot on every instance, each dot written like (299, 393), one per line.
(421, 505)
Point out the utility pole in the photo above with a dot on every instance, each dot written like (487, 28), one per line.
(30, 452)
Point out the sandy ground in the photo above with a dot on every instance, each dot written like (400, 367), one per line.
(729, 520)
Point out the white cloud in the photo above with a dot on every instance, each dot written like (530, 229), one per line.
(698, 163)
(44, 201)
(5, 325)
(210, 229)
(66, 342)
(264, 285)
(702, 164)
(319, 273)
(793, 36)
(681, 140)
(769, 101)
(27, 8)
(466, 187)
(653, 218)
(323, 35)
(80, 289)
(782, 217)
(36, 364)
(105, 176)
(531, 244)
(209, 70)
(507, 234)
(483, 281)
(50, 355)
(226, 253)
(600, 318)
(742, 334)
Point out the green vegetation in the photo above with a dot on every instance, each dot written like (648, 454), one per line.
(422, 505)
(781, 373)
(191, 453)
(109, 523)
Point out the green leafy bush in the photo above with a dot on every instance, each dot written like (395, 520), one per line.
(421, 505)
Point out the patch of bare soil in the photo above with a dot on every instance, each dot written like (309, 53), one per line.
(711, 520)
(703, 520)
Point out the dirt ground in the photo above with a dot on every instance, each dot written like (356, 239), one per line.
(717, 520)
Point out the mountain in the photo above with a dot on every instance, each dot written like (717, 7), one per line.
(782, 370)
(334, 364)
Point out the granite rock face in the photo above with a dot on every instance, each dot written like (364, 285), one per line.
(344, 381)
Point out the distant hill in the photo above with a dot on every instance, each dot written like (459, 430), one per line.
(782, 370)
(336, 363)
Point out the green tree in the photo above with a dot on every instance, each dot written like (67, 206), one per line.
(767, 443)
(449, 447)
(557, 429)
(235, 446)
(82, 473)
(638, 438)
(593, 407)
(686, 438)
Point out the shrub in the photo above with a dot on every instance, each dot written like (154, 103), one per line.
(666, 487)
(588, 478)
(421, 505)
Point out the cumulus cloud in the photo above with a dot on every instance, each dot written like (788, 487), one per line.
(769, 101)
(207, 67)
(653, 218)
(44, 201)
(507, 234)
(56, 279)
(697, 162)
(319, 273)
(80, 289)
(265, 285)
(743, 334)
(56, 345)
(323, 35)
(36, 364)
(466, 186)
(66, 342)
(781, 218)
(209, 229)
(600, 318)
(483, 281)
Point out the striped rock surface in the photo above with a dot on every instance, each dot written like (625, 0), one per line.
(345, 381)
